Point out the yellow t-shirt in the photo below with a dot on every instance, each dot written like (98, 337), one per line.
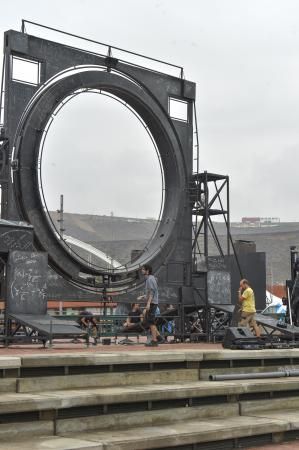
(248, 304)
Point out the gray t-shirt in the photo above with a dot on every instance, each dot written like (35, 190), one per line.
(151, 286)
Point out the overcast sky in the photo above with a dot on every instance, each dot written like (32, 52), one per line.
(244, 58)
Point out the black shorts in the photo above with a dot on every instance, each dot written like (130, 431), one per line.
(132, 328)
(150, 318)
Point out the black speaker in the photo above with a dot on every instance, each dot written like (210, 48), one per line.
(240, 337)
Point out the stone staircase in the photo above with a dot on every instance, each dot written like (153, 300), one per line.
(147, 400)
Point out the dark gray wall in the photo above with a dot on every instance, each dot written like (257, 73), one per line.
(253, 266)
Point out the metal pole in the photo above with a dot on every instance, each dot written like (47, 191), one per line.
(206, 253)
(196, 250)
(228, 216)
(294, 255)
(61, 219)
(51, 334)
(289, 305)
(2, 91)
(249, 376)
(197, 139)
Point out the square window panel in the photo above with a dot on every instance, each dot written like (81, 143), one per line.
(25, 70)
(178, 109)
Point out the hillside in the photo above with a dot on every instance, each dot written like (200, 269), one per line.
(115, 236)
(118, 236)
(275, 241)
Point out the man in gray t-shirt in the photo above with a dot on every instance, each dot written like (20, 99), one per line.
(151, 288)
(152, 299)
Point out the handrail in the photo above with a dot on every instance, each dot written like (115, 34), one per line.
(110, 47)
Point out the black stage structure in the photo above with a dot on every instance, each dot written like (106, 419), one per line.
(178, 251)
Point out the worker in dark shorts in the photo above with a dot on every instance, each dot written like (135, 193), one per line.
(88, 323)
(151, 297)
(134, 319)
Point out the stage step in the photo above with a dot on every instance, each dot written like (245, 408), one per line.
(144, 400)
(51, 443)
(85, 409)
(38, 384)
(201, 391)
(111, 421)
(183, 434)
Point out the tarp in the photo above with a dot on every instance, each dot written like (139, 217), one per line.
(275, 304)
(272, 299)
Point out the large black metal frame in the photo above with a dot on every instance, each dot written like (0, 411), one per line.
(175, 251)
(63, 71)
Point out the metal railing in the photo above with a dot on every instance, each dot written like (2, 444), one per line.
(109, 47)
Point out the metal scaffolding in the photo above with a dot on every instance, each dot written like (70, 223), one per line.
(210, 197)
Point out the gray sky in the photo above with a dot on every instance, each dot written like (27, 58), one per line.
(121, 172)
(244, 57)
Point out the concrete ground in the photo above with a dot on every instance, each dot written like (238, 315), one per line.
(68, 347)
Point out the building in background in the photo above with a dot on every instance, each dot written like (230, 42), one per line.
(260, 221)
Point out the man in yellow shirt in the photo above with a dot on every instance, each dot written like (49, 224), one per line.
(247, 301)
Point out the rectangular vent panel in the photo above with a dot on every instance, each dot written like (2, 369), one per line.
(19, 417)
(83, 411)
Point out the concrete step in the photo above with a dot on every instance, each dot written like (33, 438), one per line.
(177, 435)
(185, 433)
(289, 415)
(274, 404)
(244, 361)
(99, 401)
(209, 361)
(117, 420)
(51, 443)
(8, 385)
(38, 384)
(10, 362)
(26, 430)
(113, 358)
(124, 420)
(219, 390)
(145, 418)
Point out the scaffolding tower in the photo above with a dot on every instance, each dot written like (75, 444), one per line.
(210, 197)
